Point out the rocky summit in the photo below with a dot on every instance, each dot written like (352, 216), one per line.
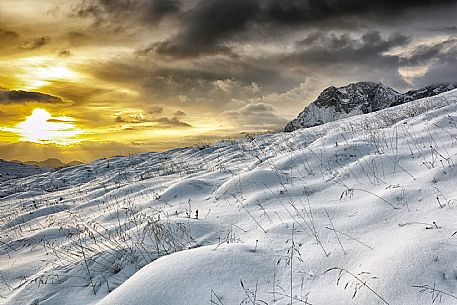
(358, 98)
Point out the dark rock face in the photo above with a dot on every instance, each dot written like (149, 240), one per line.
(358, 98)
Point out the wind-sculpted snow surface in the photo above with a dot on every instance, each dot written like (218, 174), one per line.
(356, 211)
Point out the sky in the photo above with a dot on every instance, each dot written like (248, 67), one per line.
(85, 79)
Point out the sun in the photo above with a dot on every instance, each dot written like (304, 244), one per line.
(41, 127)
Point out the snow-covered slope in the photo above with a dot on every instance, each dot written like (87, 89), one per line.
(358, 98)
(12, 170)
(357, 211)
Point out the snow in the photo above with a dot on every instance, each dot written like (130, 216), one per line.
(356, 211)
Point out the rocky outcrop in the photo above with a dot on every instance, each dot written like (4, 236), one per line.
(358, 98)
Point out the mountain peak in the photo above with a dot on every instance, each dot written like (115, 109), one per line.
(53, 163)
(348, 97)
(335, 103)
(15, 169)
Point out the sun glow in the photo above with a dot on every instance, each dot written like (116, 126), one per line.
(40, 71)
(41, 127)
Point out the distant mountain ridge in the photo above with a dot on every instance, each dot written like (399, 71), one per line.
(51, 163)
(12, 170)
(358, 98)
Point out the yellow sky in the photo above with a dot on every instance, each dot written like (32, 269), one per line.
(114, 114)
(47, 50)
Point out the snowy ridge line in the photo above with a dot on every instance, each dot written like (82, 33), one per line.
(14, 170)
(356, 211)
(358, 98)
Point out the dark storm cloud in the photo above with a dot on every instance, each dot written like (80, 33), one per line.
(452, 29)
(299, 11)
(443, 71)
(112, 12)
(442, 62)
(19, 96)
(348, 57)
(329, 49)
(34, 43)
(207, 27)
(181, 47)
(425, 53)
(156, 10)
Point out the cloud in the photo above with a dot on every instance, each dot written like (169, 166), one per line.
(441, 60)
(64, 53)
(425, 53)
(156, 10)
(79, 93)
(7, 36)
(77, 38)
(19, 96)
(59, 120)
(293, 100)
(114, 12)
(139, 118)
(179, 113)
(155, 110)
(34, 43)
(330, 48)
(210, 26)
(451, 29)
(255, 116)
(180, 47)
(206, 25)
(348, 57)
(172, 122)
(133, 117)
(217, 42)
(208, 84)
(306, 11)
(8, 39)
